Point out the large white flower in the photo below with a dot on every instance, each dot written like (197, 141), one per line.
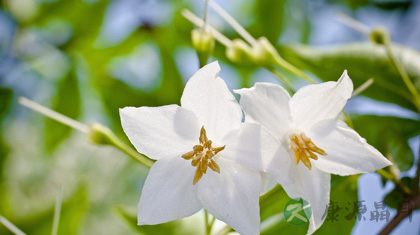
(197, 147)
(306, 128)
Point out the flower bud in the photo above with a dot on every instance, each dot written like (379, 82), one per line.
(100, 134)
(379, 35)
(264, 53)
(203, 43)
(240, 52)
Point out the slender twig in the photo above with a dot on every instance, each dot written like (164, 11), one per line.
(57, 210)
(53, 115)
(396, 181)
(99, 134)
(352, 23)
(363, 87)
(205, 18)
(286, 65)
(199, 23)
(283, 79)
(9, 225)
(230, 20)
(403, 73)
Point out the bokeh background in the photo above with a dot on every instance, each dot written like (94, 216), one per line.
(88, 58)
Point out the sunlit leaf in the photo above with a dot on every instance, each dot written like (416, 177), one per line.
(362, 61)
(390, 136)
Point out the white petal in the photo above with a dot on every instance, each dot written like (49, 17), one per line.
(168, 193)
(254, 147)
(210, 99)
(268, 182)
(232, 196)
(347, 152)
(160, 132)
(314, 187)
(268, 105)
(314, 103)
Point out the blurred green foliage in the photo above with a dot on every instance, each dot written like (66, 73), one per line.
(86, 89)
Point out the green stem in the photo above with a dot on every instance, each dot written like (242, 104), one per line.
(133, 154)
(394, 179)
(225, 230)
(57, 210)
(206, 4)
(403, 73)
(289, 67)
(283, 79)
(100, 134)
(96, 133)
(208, 225)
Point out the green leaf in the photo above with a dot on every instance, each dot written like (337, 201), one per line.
(394, 198)
(186, 226)
(269, 19)
(339, 219)
(5, 98)
(40, 222)
(390, 136)
(129, 97)
(272, 219)
(343, 193)
(363, 61)
(67, 102)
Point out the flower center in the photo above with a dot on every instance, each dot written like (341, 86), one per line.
(304, 148)
(202, 156)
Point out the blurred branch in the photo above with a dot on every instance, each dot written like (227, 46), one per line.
(402, 213)
(200, 23)
(403, 73)
(96, 133)
(363, 87)
(9, 225)
(53, 115)
(416, 180)
(57, 210)
(283, 79)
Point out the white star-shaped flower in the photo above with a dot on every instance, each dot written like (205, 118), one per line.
(197, 147)
(308, 132)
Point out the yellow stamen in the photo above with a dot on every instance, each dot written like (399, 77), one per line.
(303, 148)
(202, 156)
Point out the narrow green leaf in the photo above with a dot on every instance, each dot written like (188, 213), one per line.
(67, 102)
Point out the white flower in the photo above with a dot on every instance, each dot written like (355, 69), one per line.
(197, 147)
(306, 128)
